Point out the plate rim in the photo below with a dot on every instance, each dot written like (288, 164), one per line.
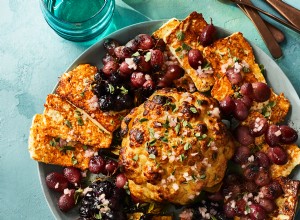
(257, 51)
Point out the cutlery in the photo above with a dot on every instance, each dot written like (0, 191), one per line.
(287, 11)
(278, 34)
(263, 30)
(246, 3)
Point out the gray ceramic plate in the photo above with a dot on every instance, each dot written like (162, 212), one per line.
(275, 77)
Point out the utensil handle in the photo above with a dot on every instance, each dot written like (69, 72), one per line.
(290, 13)
(287, 24)
(277, 33)
(264, 32)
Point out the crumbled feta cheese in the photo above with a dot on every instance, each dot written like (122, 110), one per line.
(278, 133)
(186, 214)
(251, 158)
(56, 185)
(93, 103)
(131, 63)
(67, 191)
(175, 186)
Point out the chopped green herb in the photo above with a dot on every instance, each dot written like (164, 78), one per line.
(247, 208)
(164, 139)
(272, 104)
(203, 176)
(186, 47)
(124, 91)
(152, 142)
(148, 56)
(152, 156)
(74, 160)
(180, 35)
(166, 124)
(82, 94)
(84, 147)
(193, 109)
(52, 142)
(187, 146)
(80, 121)
(136, 157)
(262, 68)
(98, 216)
(171, 105)
(143, 119)
(206, 66)
(178, 49)
(68, 123)
(151, 131)
(77, 112)
(200, 137)
(181, 157)
(186, 124)
(177, 128)
(246, 69)
(235, 59)
(213, 217)
(136, 54)
(111, 88)
(77, 194)
(210, 141)
(199, 102)
(173, 172)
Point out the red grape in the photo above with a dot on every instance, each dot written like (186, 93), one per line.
(227, 105)
(262, 177)
(133, 45)
(229, 209)
(124, 69)
(250, 173)
(141, 63)
(108, 58)
(272, 136)
(72, 174)
(288, 134)
(96, 164)
(261, 92)
(271, 191)
(268, 204)
(110, 44)
(110, 67)
(67, 201)
(247, 90)
(121, 180)
(123, 52)
(145, 41)
(243, 136)
(257, 212)
(258, 126)
(137, 79)
(195, 58)
(56, 181)
(234, 77)
(157, 59)
(241, 154)
(263, 159)
(111, 167)
(207, 35)
(240, 111)
(278, 155)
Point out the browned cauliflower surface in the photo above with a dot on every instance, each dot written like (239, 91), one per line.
(174, 145)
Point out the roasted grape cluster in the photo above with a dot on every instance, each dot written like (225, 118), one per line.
(131, 72)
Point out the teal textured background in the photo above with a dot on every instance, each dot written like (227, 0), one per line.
(32, 57)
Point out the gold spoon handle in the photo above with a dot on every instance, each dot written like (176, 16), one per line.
(264, 32)
(278, 34)
(290, 13)
(246, 3)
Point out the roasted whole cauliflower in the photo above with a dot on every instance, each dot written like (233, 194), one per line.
(174, 145)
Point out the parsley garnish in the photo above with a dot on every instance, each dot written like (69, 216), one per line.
(180, 35)
(178, 49)
(181, 157)
(193, 109)
(164, 139)
(147, 56)
(152, 156)
(65, 148)
(186, 47)
(186, 124)
(124, 91)
(74, 160)
(203, 176)
(200, 137)
(187, 146)
(80, 121)
(177, 128)
(111, 88)
(246, 70)
(136, 54)
(152, 142)
(68, 123)
(136, 157)
(199, 102)
(84, 147)
(143, 119)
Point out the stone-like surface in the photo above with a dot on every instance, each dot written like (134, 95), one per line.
(32, 57)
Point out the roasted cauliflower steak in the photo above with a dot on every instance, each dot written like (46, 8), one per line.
(174, 145)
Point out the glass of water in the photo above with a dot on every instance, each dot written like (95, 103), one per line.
(78, 20)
